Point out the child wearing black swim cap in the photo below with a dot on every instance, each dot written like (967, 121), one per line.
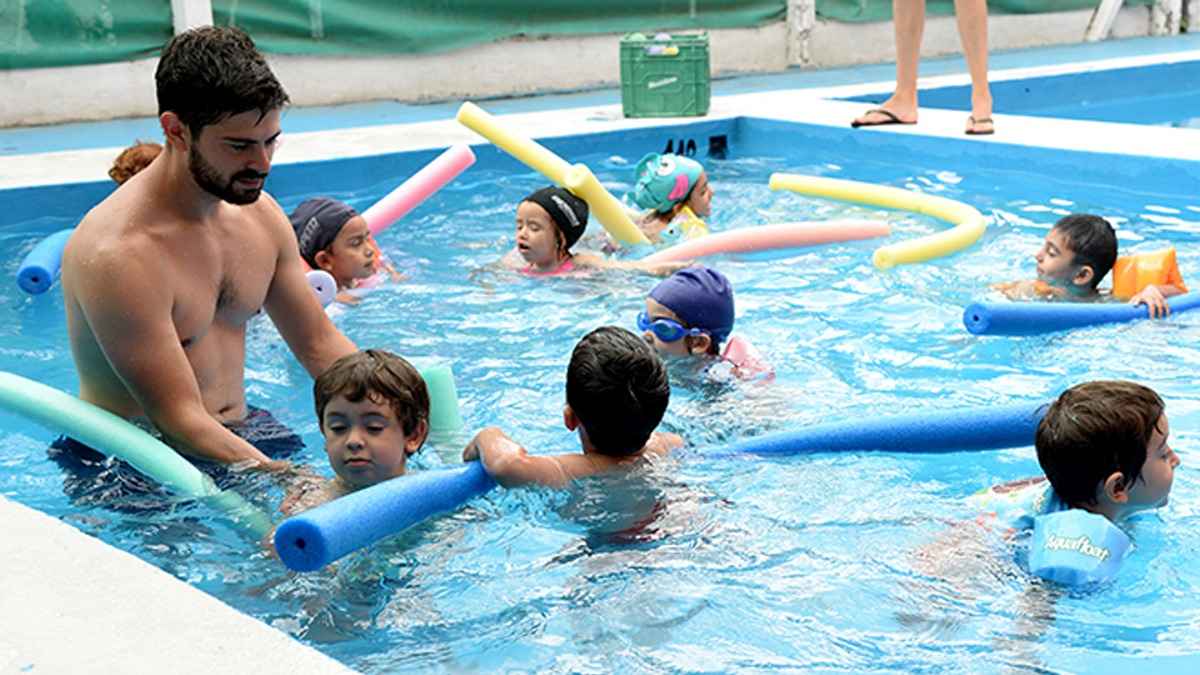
(549, 222)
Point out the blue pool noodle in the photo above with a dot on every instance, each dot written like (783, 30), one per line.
(1032, 318)
(37, 271)
(962, 430)
(317, 537)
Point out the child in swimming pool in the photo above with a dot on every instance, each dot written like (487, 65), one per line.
(549, 222)
(133, 159)
(333, 237)
(1104, 452)
(675, 191)
(617, 393)
(373, 410)
(691, 313)
(1078, 252)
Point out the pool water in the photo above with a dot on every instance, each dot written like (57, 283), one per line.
(1165, 94)
(819, 563)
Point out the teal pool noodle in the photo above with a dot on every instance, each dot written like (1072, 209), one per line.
(444, 413)
(40, 265)
(960, 430)
(112, 435)
(311, 540)
(1032, 318)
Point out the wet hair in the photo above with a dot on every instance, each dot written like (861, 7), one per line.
(617, 385)
(377, 374)
(1093, 430)
(209, 73)
(133, 159)
(1092, 241)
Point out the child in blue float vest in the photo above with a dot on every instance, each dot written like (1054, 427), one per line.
(690, 314)
(1077, 254)
(676, 193)
(1104, 449)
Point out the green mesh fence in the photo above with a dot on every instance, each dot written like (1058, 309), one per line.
(51, 33)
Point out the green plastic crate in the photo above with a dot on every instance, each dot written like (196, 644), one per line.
(665, 78)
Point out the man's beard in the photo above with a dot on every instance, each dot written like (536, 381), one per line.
(212, 182)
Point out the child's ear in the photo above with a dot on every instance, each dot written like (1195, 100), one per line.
(1114, 488)
(570, 418)
(700, 343)
(324, 260)
(1084, 276)
(415, 441)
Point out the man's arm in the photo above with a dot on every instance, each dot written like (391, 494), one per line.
(294, 308)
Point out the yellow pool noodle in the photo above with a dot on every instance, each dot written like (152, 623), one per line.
(583, 184)
(969, 224)
(578, 178)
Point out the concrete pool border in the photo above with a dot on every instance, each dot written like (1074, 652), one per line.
(118, 614)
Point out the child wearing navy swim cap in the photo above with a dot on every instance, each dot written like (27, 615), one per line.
(689, 313)
(549, 222)
(677, 195)
(332, 236)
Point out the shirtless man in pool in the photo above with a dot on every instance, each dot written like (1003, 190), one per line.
(161, 277)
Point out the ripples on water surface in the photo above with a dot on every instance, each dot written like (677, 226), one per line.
(817, 563)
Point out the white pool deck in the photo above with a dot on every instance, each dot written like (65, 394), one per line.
(71, 604)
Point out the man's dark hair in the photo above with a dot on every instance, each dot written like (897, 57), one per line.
(618, 387)
(209, 73)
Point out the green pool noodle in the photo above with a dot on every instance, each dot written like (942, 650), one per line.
(444, 414)
(114, 436)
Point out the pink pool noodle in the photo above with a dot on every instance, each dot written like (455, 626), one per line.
(771, 237)
(432, 177)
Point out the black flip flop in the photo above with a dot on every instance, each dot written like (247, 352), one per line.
(891, 119)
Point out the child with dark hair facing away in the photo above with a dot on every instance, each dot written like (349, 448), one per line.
(549, 222)
(1103, 447)
(690, 314)
(333, 237)
(617, 393)
(675, 191)
(373, 409)
(1076, 255)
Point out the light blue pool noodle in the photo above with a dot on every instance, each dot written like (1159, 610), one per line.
(319, 536)
(961, 430)
(110, 434)
(444, 413)
(1032, 318)
(38, 269)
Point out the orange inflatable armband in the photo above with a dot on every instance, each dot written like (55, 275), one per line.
(1133, 273)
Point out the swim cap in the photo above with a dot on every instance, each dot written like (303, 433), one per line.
(664, 180)
(317, 222)
(569, 213)
(701, 297)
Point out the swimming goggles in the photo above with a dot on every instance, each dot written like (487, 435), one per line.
(667, 330)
